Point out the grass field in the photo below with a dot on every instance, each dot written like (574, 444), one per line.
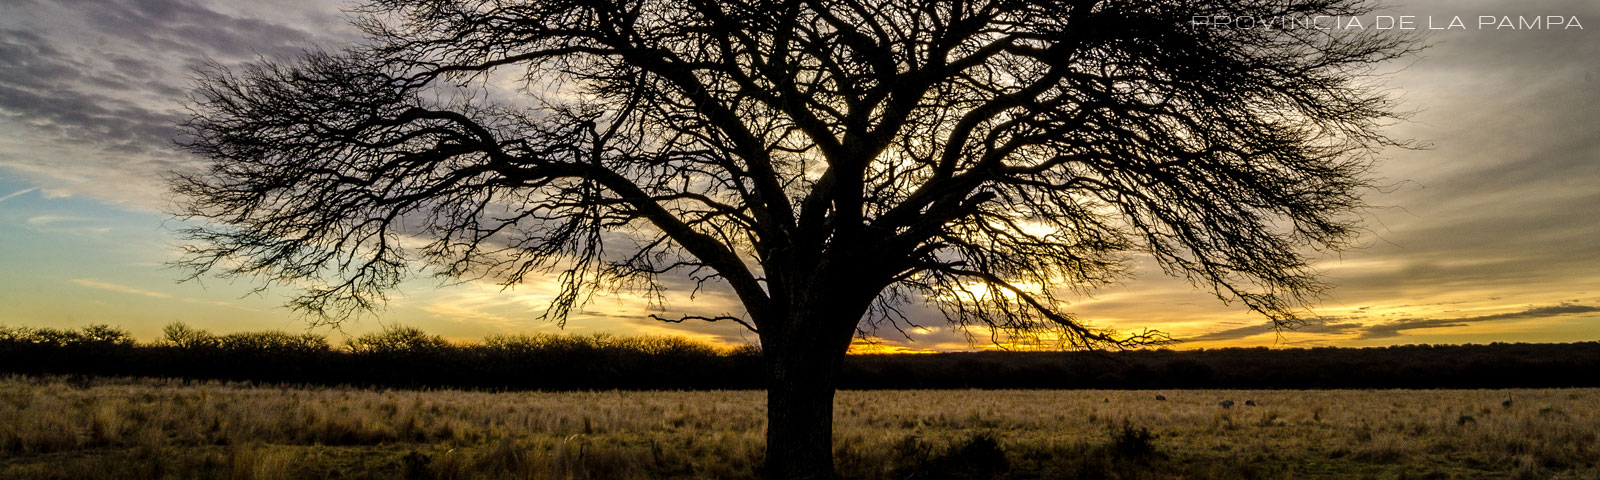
(109, 428)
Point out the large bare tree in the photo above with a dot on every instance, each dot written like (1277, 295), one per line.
(827, 161)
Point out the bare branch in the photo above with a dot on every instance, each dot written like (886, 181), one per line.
(685, 318)
(826, 160)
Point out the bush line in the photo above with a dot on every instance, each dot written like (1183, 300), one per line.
(406, 357)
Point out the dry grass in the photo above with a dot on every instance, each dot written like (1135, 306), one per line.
(58, 428)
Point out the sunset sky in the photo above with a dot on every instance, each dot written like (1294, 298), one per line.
(1490, 235)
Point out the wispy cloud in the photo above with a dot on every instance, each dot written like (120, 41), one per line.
(1395, 328)
(218, 303)
(17, 193)
(48, 220)
(1317, 325)
(67, 224)
(92, 283)
(1392, 328)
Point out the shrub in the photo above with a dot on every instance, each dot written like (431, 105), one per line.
(1132, 442)
(273, 342)
(978, 457)
(13, 335)
(93, 336)
(181, 335)
(398, 340)
(102, 335)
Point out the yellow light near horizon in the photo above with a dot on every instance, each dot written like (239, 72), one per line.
(862, 347)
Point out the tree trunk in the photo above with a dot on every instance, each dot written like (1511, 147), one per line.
(804, 352)
(800, 417)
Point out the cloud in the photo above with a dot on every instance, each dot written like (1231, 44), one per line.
(67, 224)
(47, 220)
(1395, 328)
(92, 91)
(190, 27)
(91, 283)
(16, 193)
(1316, 325)
(1503, 200)
(59, 96)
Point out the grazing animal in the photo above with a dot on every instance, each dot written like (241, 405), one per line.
(1161, 397)
(1250, 403)
(1507, 403)
(1226, 404)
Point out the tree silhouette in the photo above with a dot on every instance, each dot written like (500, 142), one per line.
(829, 161)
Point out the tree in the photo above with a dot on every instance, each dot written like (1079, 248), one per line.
(828, 161)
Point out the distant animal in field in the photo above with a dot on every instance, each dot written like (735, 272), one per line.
(1226, 404)
(1161, 397)
(1507, 403)
(1250, 403)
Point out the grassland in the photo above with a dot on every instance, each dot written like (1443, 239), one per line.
(57, 427)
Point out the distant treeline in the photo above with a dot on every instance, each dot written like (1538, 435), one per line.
(403, 357)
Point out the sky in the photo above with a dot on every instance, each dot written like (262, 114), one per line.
(1490, 235)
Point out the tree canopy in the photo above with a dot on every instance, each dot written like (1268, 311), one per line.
(827, 161)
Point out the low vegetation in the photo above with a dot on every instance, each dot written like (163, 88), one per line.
(80, 427)
(398, 356)
(402, 357)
